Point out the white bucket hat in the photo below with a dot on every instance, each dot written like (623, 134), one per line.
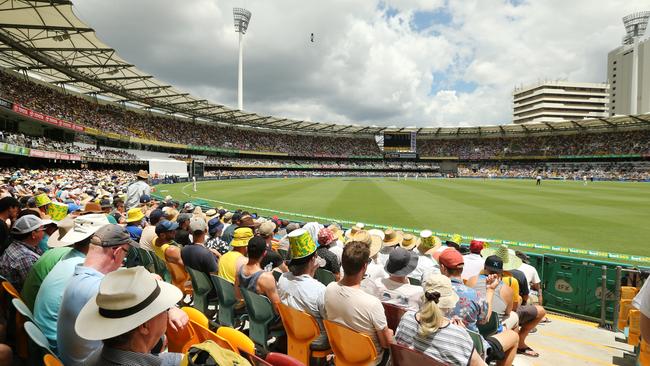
(126, 299)
(84, 227)
(65, 226)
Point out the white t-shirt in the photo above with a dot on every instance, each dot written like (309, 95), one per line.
(402, 294)
(473, 265)
(426, 267)
(375, 270)
(642, 300)
(357, 310)
(531, 274)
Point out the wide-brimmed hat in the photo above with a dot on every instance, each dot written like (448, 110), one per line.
(377, 232)
(241, 236)
(392, 237)
(42, 200)
(354, 229)
(57, 211)
(336, 229)
(84, 226)
(428, 241)
(372, 241)
(125, 300)
(247, 221)
(440, 284)
(410, 241)
(401, 262)
(211, 213)
(326, 236)
(91, 208)
(65, 226)
(142, 174)
(134, 215)
(510, 260)
(301, 245)
(267, 228)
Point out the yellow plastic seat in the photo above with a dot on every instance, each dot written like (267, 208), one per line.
(50, 360)
(350, 347)
(196, 315)
(624, 309)
(205, 334)
(634, 321)
(628, 292)
(301, 330)
(237, 339)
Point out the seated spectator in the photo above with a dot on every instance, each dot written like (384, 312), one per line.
(214, 243)
(395, 288)
(503, 299)
(23, 251)
(183, 231)
(272, 259)
(106, 206)
(430, 332)
(346, 303)
(298, 288)
(473, 262)
(164, 242)
(48, 299)
(134, 223)
(230, 262)
(9, 208)
(391, 240)
(375, 269)
(326, 238)
(129, 314)
(149, 231)
(252, 277)
(532, 277)
(473, 309)
(196, 255)
(426, 265)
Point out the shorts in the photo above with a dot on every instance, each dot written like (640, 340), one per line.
(495, 351)
(527, 313)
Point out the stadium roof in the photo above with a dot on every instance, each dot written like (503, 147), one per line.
(45, 37)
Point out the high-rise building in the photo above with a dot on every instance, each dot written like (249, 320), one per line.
(628, 68)
(555, 101)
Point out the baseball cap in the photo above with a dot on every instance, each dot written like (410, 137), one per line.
(145, 198)
(112, 235)
(27, 224)
(475, 246)
(494, 263)
(105, 203)
(155, 215)
(197, 224)
(451, 259)
(266, 229)
(183, 217)
(165, 226)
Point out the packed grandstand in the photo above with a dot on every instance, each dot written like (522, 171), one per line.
(77, 202)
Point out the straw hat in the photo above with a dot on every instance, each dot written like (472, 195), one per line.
(142, 174)
(428, 241)
(353, 230)
(510, 260)
(377, 232)
(125, 300)
(134, 215)
(410, 241)
(373, 241)
(301, 245)
(92, 208)
(392, 237)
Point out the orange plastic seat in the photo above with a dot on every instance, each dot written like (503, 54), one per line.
(351, 348)
(205, 334)
(180, 278)
(634, 321)
(237, 339)
(301, 330)
(404, 356)
(196, 315)
(50, 360)
(393, 314)
(628, 292)
(624, 309)
(181, 340)
(11, 290)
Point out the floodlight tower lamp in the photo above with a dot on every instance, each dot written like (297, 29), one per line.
(242, 19)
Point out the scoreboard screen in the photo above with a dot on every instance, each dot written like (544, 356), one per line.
(404, 142)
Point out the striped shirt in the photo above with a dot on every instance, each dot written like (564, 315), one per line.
(451, 344)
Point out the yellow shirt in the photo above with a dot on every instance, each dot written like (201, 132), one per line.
(514, 285)
(159, 250)
(227, 264)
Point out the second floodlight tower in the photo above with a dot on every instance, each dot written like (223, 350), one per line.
(242, 18)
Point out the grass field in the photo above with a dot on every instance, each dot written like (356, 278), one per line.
(607, 216)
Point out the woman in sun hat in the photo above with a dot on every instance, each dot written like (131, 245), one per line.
(430, 332)
(129, 314)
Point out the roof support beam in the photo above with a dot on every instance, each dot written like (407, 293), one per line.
(550, 126)
(639, 119)
(149, 88)
(187, 102)
(107, 66)
(608, 123)
(575, 123)
(45, 27)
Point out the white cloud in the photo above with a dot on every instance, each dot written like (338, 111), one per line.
(367, 65)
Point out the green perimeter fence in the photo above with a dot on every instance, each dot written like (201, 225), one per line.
(571, 285)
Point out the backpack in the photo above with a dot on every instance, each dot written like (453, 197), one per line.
(209, 353)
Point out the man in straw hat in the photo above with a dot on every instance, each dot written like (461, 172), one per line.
(346, 303)
(108, 248)
(137, 189)
(396, 288)
(76, 233)
(474, 308)
(392, 238)
(129, 314)
(374, 269)
(231, 261)
(528, 316)
(298, 288)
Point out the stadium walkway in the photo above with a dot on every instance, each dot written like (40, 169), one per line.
(567, 341)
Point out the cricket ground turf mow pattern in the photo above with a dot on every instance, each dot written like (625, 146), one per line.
(604, 216)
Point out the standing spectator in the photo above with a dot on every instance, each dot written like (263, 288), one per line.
(23, 251)
(347, 304)
(137, 189)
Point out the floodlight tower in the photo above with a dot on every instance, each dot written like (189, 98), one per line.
(242, 18)
(635, 27)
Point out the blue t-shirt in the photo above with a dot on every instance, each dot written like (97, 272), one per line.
(84, 285)
(50, 294)
(135, 232)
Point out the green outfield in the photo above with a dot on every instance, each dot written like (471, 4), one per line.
(607, 216)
